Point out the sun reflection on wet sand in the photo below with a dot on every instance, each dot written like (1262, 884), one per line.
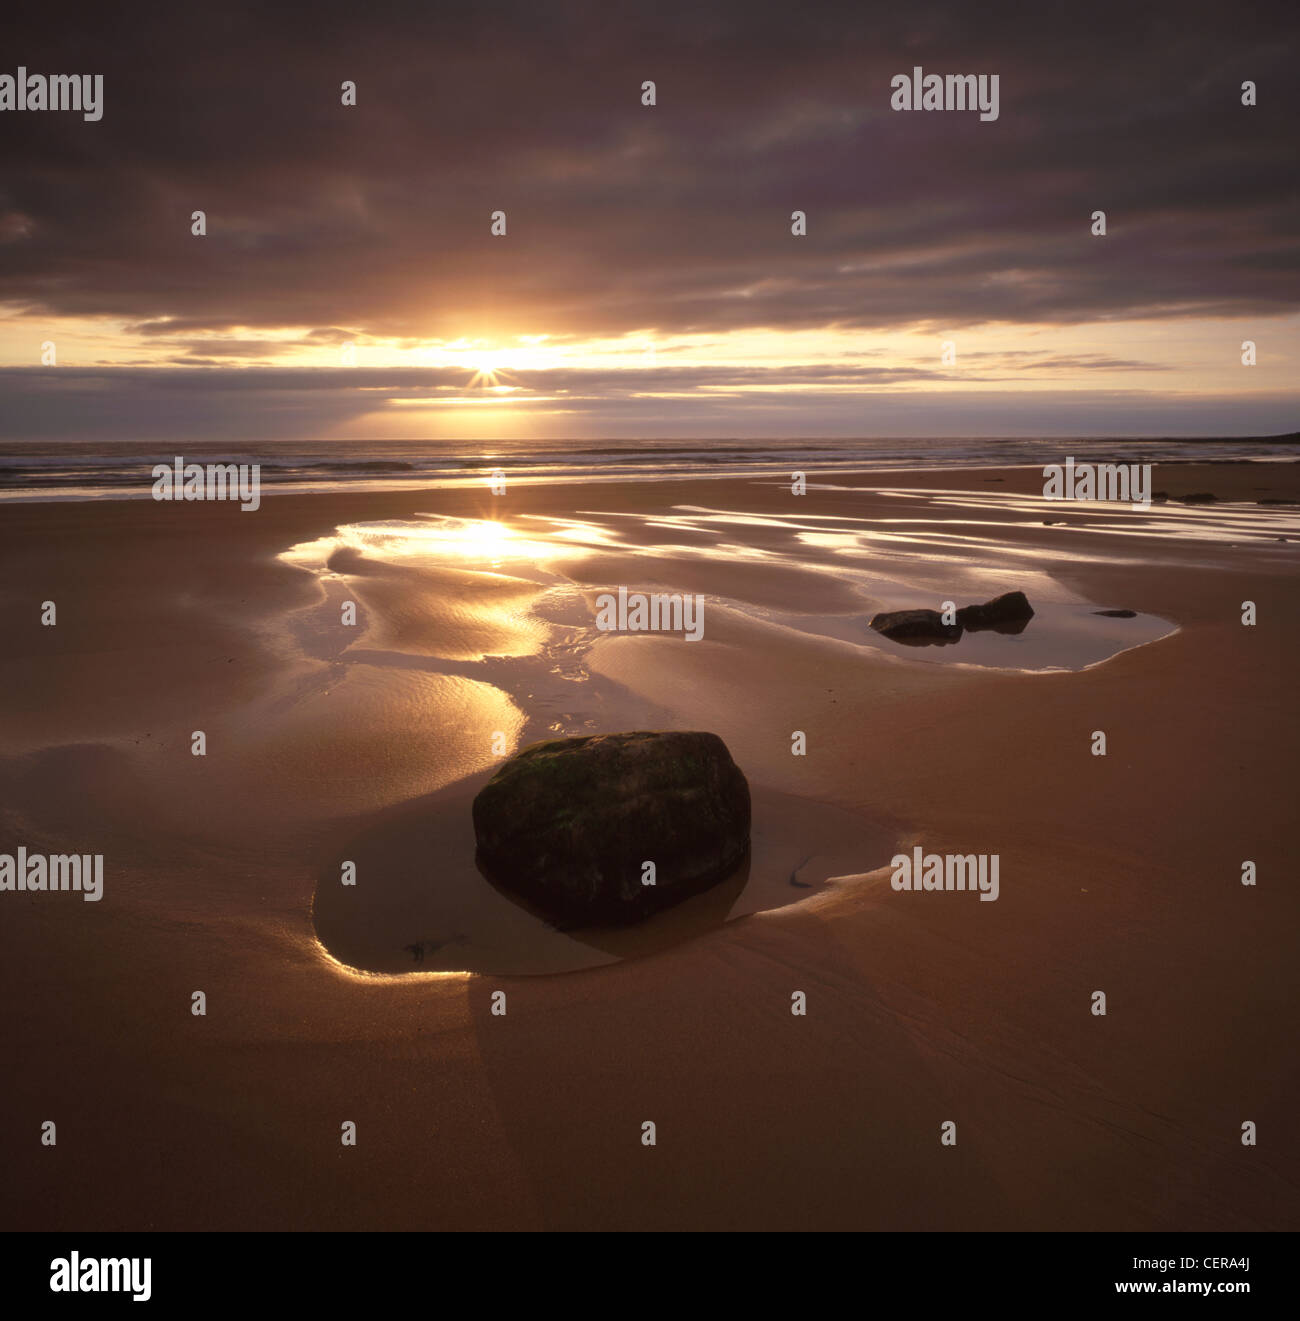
(510, 604)
(480, 590)
(477, 540)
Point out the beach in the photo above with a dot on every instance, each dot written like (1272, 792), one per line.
(373, 1002)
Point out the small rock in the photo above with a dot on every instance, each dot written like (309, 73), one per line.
(916, 627)
(1117, 614)
(1002, 613)
(1008, 613)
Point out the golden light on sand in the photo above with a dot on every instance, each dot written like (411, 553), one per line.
(476, 540)
(467, 538)
(485, 539)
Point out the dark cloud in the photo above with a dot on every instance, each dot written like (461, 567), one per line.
(214, 402)
(251, 417)
(670, 219)
(434, 383)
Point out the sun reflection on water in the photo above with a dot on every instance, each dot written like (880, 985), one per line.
(476, 541)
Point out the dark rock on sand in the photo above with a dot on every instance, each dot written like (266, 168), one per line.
(568, 824)
(1008, 613)
(1199, 498)
(917, 628)
(1117, 614)
(1003, 613)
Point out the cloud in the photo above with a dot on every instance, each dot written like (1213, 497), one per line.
(674, 218)
(255, 404)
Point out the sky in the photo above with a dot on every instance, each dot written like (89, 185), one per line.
(648, 283)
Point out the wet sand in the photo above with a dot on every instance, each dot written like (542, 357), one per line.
(324, 744)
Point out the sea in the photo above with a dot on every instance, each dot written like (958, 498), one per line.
(124, 470)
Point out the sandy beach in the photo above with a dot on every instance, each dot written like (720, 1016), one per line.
(366, 743)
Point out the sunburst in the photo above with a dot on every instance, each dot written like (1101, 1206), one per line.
(486, 376)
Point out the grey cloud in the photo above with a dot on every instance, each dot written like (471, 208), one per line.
(674, 218)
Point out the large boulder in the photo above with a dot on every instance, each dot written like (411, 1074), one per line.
(569, 823)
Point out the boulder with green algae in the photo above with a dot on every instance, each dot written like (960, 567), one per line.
(568, 824)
